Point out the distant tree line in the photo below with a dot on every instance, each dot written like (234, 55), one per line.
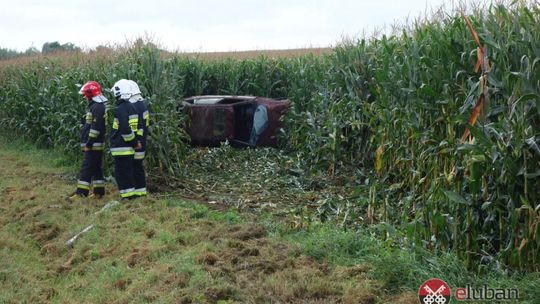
(6, 53)
(47, 48)
(53, 47)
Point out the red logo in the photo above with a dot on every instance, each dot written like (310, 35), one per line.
(434, 291)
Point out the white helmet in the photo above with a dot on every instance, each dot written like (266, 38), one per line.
(122, 89)
(134, 87)
(135, 92)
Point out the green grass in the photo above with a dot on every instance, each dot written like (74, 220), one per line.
(400, 268)
(163, 250)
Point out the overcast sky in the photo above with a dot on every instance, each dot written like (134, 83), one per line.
(200, 25)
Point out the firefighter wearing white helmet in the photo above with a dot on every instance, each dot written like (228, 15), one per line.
(123, 139)
(142, 134)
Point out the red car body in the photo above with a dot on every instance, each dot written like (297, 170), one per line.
(214, 119)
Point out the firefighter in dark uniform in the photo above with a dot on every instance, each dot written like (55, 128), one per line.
(92, 140)
(142, 134)
(123, 139)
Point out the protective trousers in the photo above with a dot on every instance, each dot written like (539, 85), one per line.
(123, 171)
(91, 174)
(138, 173)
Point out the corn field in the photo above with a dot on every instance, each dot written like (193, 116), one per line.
(390, 111)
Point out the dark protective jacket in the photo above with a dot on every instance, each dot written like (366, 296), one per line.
(144, 122)
(124, 127)
(142, 128)
(93, 127)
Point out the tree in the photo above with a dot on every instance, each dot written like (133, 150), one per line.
(31, 51)
(6, 53)
(51, 47)
(70, 47)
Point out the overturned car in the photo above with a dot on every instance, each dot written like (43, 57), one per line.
(242, 120)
